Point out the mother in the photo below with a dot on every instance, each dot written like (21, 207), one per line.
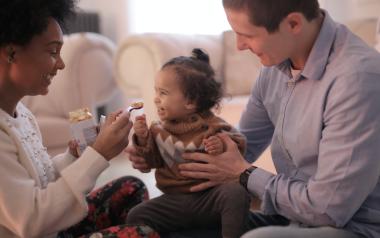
(40, 196)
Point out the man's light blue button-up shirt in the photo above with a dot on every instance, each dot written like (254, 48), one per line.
(324, 131)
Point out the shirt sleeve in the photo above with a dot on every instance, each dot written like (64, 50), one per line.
(348, 164)
(255, 124)
(30, 211)
(63, 160)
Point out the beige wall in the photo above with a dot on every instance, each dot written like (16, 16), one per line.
(343, 10)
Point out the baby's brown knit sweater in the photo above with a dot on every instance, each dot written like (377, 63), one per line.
(168, 140)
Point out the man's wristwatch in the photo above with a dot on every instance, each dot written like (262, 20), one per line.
(243, 179)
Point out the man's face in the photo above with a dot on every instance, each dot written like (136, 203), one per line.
(271, 48)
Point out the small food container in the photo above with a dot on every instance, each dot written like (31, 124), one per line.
(83, 128)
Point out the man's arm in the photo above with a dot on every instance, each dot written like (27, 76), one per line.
(258, 129)
(255, 124)
(348, 164)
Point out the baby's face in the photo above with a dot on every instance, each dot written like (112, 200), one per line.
(169, 99)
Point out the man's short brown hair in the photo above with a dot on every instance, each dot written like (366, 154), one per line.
(270, 13)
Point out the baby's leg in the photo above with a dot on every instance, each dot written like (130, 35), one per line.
(170, 212)
(232, 202)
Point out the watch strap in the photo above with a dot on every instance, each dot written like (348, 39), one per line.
(244, 176)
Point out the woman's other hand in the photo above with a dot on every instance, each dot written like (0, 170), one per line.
(113, 135)
(73, 148)
(138, 162)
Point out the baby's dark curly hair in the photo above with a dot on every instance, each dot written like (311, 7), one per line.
(20, 20)
(197, 79)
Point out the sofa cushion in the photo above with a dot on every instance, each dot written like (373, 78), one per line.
(241, 68)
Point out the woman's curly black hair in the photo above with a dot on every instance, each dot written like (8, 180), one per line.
(197, 79)
(20, 20)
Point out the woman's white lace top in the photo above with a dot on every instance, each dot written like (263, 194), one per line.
(26, 129)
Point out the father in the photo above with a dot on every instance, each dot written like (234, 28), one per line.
(316, 102)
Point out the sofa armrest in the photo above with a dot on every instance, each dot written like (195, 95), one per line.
(55, 133)
(139, 57)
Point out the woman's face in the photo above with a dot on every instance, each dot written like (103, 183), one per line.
(36, 63)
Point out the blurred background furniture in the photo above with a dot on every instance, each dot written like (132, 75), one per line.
(82, 21)
(86, 81)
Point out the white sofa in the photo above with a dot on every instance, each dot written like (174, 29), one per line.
(87, 81)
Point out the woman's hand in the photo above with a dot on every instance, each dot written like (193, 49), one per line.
(213, 145)
(113, 135)
(73, 148)
(138, 162)
(141, 130)
(216, 169)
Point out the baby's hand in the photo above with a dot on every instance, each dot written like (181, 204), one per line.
(73, 148)
(213, 145)
(141, 128)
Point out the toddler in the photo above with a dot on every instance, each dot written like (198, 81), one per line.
(186, 91)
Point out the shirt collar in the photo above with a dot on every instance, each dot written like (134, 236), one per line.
(319, 54)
